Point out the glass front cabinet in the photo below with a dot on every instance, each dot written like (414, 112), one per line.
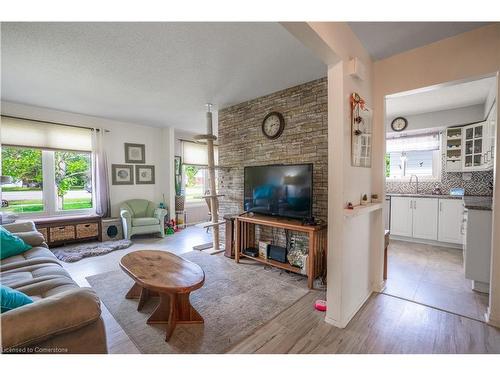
(472, 147)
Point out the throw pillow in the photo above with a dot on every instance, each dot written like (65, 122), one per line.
(11, 244)
(11, 299)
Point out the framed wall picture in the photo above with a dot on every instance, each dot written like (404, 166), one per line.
(144, 174)
(135, 153)
(122, 174)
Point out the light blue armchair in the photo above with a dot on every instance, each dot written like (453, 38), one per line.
(140, 216)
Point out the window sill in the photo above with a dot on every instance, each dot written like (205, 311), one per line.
(195, 204)
(46, 215)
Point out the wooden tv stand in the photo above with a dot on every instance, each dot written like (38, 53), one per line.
(316, 260)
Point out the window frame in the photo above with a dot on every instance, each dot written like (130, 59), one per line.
(204, 170)
(49, 190)
(437, 166)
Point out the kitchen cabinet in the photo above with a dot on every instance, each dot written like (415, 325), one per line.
(414, 217)
(490, 136)
(474, 143)
(477, 248)
(436, 219)
(425, 218)
(450, 220)
(402, 216)
(471, 148)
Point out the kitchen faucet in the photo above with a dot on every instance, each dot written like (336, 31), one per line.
(416, 178)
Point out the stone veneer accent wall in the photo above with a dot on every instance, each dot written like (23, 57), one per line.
(304, 140)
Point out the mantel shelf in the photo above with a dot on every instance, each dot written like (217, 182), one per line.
(361, 210)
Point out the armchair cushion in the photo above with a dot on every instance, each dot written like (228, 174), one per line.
(144, 221)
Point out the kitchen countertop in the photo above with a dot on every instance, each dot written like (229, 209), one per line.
(442, 196)
(478, 203)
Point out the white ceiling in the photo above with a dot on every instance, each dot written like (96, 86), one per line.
(384, 39)
(158, 74)
(440, 98)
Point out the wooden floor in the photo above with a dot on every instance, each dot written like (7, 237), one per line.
(385, 324)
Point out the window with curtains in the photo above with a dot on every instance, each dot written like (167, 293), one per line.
(195, 178)
(46, 168)
(413, 155)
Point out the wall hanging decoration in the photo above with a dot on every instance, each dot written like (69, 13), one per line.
(361, 132)
(144, 174)
(122, 174)
(135, 153)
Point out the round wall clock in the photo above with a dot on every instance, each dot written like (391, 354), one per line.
(273, 125)
(399, 124)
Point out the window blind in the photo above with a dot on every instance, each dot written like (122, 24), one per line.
(428, 142)
(44, 135)
(196, 153)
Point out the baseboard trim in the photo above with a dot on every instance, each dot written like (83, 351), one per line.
(426, 242)
(492, 321)
(345, 322)
(380, 287)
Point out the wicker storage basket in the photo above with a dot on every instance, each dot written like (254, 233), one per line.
(87, 230)
(44, 232)
(62, 233)
(179, 203)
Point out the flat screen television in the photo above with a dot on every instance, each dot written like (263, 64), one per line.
(279, 190)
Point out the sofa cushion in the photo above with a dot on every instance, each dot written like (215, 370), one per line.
(145, 221)
(35, 255)
(40, 289)
(32, 238)
(11, 299)
(11, 244)
(32, 273)
(56, 314)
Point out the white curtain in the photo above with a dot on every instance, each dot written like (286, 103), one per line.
(413, 143)
(196, 153)
(100, 170)
(45, 135)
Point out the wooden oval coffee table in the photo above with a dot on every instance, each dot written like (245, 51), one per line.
(172, 278)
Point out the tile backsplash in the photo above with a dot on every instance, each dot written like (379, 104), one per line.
(479, 184)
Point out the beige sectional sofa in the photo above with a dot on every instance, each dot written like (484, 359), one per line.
(64, 318)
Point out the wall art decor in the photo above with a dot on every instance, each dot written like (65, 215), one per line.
(135, 153)
(361, 132)
(144, 174)
(122, 174)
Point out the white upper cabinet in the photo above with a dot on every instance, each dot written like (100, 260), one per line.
(425, 218)
(474, 146)
(471, 148)
(450, 220)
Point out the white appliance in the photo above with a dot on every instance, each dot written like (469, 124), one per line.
(476, 228)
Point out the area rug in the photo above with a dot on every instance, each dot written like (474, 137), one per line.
(234, 301)
(74, 253)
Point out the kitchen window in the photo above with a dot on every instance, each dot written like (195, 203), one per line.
(413, 155)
